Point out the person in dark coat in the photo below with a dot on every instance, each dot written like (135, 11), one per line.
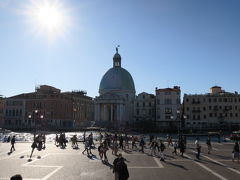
(13, 140)
(120, 168)
(181, 146)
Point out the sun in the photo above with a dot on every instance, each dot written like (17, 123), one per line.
(48, 17)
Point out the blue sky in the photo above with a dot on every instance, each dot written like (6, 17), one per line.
(190, 43)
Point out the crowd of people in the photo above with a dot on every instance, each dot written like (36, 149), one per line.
(119, 142)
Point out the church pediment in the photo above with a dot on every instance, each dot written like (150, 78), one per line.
(109, 96)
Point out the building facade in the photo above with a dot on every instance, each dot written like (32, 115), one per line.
(47, 108)
(144, 107)
(218, 110)
(1, 111)
(114, 106)
(168, 108)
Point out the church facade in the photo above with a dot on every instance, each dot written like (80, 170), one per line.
(114, 107)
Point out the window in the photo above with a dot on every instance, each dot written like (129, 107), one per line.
(187, 100)
(204, 116)
(177, 101)
(137, 111)
(210, 114)
(168, 110)
(158, 101)
(220, 100)
(117, 64)
(209, 100)
(137, 104)
(236, 108)
(143, 96)
(143, 104)
(210, 107)
(149, 112)
(168, 101)
(204, 108)
(236, 114)
(150, 104)
(168, 93)
(187, 108)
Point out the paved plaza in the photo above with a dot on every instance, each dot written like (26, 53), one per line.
(57, 164)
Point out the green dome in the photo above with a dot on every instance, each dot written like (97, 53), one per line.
(117, 78)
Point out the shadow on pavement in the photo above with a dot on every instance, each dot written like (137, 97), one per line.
(176, 165)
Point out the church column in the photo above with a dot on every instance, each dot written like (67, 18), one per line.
(104, 112)
(98, 112)
(111, 112)
(120, 113)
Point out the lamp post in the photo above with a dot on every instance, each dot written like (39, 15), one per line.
(179, 121)
(33, 116)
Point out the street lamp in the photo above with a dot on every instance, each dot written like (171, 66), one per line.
(179, 121)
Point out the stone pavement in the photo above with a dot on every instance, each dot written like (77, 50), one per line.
(59, 164)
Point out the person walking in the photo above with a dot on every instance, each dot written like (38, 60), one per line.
(86, 146)
(142, 144)
(33, 146)
(209, 145)
(120, 168)
(100, 137)
(175, 145)
(13, 140)
(236, 152)
(198, 147)
(181, 145)
(105, 149)
(162, 148)
(134, 143)
(56, 140)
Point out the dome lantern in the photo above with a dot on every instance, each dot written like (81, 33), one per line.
(117, 59)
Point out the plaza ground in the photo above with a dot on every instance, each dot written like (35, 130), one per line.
(58, 164)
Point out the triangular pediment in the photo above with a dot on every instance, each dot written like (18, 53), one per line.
(110, 96)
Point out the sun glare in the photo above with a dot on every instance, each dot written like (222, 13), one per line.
(48, 17)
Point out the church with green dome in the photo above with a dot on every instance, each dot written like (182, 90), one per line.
(114, 106)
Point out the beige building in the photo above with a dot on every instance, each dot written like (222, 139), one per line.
(215, 110)
(47, 108)
(144, 107)
(168, 108)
